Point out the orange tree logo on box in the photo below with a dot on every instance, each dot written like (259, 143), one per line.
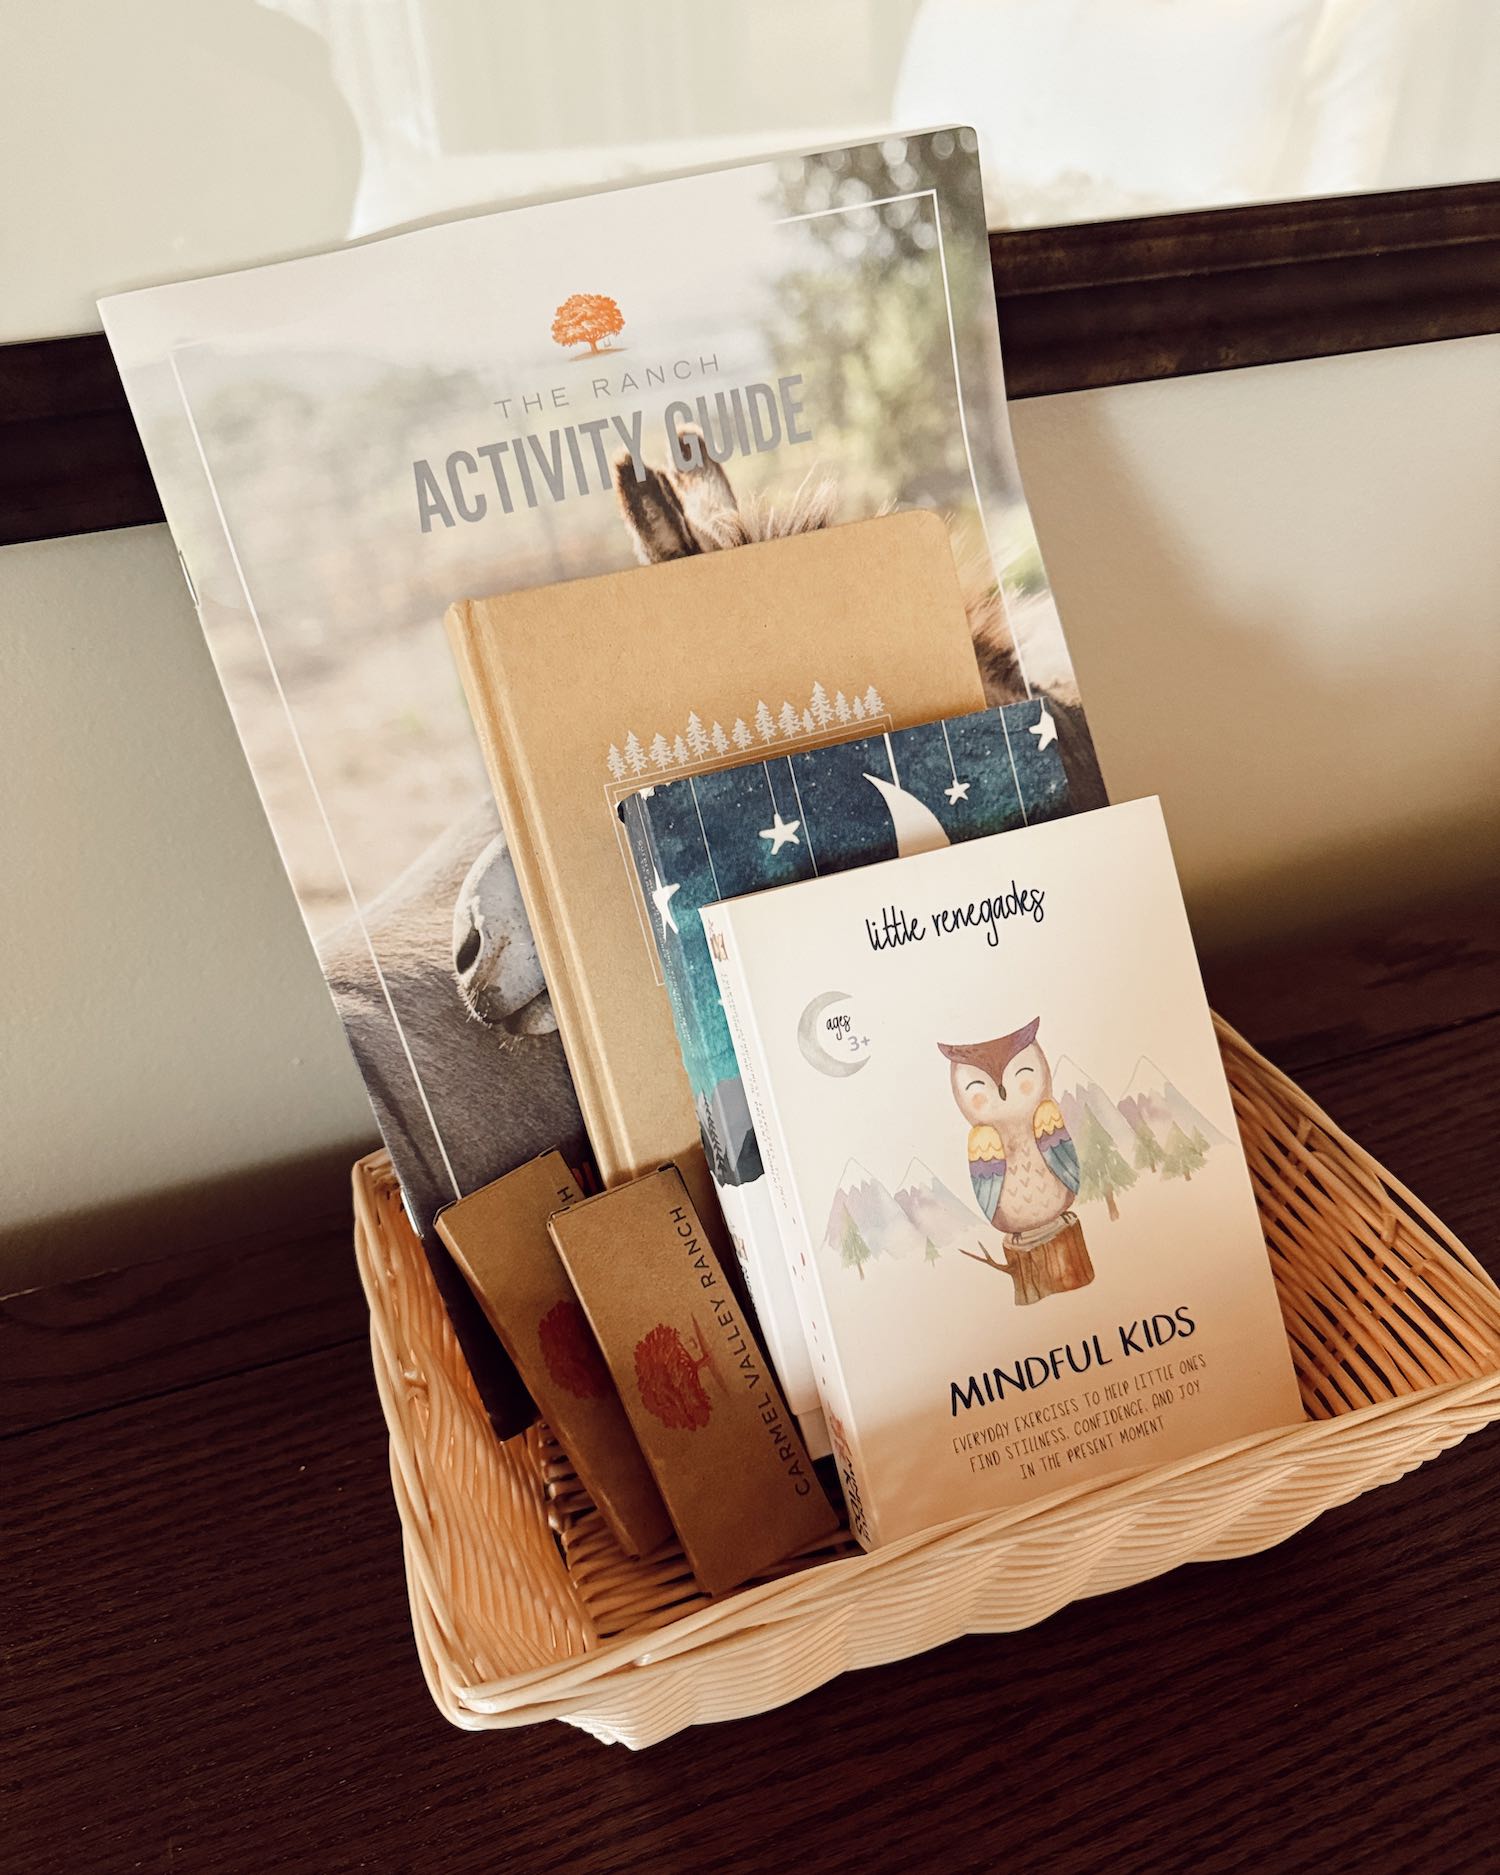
(668, 1375)
(586, 319)
(571, 1352)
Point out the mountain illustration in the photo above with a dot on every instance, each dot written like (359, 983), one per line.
(1151, 1102)
(939, 1218)
(1078, 1094)
(865, 1222)
(1152, 1129)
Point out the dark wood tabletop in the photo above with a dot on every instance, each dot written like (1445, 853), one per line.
(209, 1664)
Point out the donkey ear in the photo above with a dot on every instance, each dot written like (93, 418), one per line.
(653, 513)
(708, 497)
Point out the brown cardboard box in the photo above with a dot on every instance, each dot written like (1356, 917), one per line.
(579, 692)
(498, 1236)
(705, 1406)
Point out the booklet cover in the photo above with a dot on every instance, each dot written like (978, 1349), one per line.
(996, 1124)
(820, 809)
(347, 443)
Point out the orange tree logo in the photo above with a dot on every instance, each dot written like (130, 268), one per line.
(585, 319)
(571, 1352)
(667, 1374)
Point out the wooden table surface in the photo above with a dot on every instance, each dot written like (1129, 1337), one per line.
(209, 1665)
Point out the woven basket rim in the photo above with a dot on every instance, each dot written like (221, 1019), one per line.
(788, 1592)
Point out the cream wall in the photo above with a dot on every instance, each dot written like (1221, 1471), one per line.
(165, 1019)
(1282, 589)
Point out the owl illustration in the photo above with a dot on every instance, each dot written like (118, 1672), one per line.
(1023, 1165)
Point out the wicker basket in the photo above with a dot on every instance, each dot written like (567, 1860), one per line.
(524, 1609)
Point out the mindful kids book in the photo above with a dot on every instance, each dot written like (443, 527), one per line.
(995, 1121)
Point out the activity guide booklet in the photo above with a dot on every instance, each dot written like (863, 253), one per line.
(346, 443)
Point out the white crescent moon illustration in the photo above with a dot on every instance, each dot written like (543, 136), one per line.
(813, 1050)
(917, 828)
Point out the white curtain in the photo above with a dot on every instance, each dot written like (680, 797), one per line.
(1084, 108)
(1095, 108)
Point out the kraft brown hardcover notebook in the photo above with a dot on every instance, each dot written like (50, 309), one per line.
(581, 692)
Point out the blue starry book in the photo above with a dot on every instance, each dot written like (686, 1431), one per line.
(819, 810)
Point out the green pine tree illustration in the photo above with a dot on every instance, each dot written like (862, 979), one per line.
(1102, 1168)
(854, 1252)
(1183, 1156)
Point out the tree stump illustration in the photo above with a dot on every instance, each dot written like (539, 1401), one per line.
(1049, 1266)
(571, 1352)
(668, 1376)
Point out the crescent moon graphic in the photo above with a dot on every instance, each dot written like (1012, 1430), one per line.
(917, 828)
(813, 1050)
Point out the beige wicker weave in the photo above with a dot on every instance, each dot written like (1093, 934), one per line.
(524, 1609)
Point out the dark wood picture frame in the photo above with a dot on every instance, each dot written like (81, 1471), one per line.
(1097, 303)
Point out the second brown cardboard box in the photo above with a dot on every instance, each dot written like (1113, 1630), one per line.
(699, 1392)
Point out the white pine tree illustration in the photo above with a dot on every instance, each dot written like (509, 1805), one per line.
(791, 722)
(616, 763)
(808, 725)
(679, 752)
(635, 755)
(857, 710)
(873, 704)
(765, 726)
(841, 707)
(822, 710)
(697, 735)
(718, 740)
(661, 752)
(740, 736)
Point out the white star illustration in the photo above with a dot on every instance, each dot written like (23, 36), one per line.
(958, 792)
(661, 898)
(780, 832)
(1044, 729)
